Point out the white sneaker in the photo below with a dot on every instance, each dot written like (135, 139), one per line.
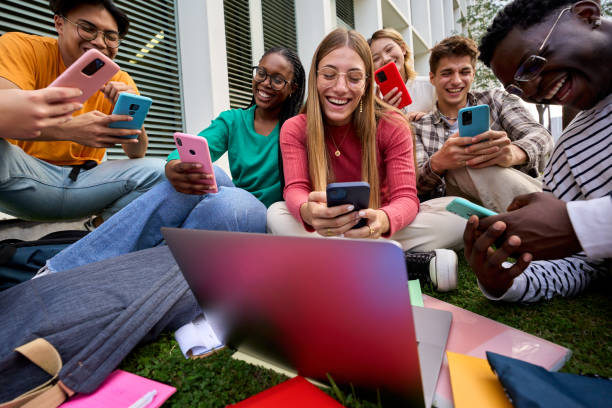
(438, 267)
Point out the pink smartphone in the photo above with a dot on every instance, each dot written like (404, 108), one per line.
(194, 149)
(88, 73)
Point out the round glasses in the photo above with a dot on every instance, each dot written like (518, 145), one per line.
(533, 65)
(328, 77)
(89, 32)
(277, 82)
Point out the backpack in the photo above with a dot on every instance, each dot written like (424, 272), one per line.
(20, 260)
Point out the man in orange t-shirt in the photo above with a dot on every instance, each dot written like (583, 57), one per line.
(59, 174)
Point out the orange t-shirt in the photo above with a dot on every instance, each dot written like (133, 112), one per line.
(33, 62)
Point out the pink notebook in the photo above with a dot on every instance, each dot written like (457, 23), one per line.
(473, 335)
(120, 390)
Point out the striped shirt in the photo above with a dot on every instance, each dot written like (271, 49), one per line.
(507, 113)
(580, 168)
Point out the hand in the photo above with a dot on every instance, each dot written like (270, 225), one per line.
(328, 221)
(452, 155)
(112, 89)
(393, 97)
(23, 114)
(542, 223)
(494, 148)
(412, 116)
(486, 262)
(91, 129)
(378, 224)
(186, 178)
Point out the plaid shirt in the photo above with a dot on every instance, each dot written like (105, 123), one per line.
(507, 114)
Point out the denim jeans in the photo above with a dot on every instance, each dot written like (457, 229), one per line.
(33, 189)
(137, 226)
(93, 315)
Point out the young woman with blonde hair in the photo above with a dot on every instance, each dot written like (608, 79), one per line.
(388, 45)
(345, 133)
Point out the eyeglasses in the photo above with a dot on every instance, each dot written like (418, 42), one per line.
(89, 32)
(328, 77)
(532, 67)
(277, 82)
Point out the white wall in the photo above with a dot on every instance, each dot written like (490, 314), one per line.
(315, 18)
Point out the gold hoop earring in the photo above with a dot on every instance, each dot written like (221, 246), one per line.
(361, 106)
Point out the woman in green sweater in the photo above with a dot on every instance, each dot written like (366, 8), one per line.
(250, 136)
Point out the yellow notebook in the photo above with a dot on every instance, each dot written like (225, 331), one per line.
(474, 384)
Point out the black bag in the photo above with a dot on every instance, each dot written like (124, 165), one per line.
(19, 260)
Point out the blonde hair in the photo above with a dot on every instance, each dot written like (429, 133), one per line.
(364, 122)
(396, 37)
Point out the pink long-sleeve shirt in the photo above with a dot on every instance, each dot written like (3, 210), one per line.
(394, 159)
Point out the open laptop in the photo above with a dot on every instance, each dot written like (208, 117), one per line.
(317, 305)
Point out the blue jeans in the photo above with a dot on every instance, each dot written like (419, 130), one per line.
(137, 226)
(33, 189)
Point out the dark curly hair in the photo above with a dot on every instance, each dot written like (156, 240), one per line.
(293, 103)
(521, 13)
(63, 7)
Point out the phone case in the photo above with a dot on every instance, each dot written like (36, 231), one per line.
(473, 120)
(466, 209)
(194, 149)
(134, 105)
(356, 193)
(387, 78)
(88, 73)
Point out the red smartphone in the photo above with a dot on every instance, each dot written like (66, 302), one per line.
(194, 149)
(388, 77)
(88, 73)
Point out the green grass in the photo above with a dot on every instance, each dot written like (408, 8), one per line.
(582, 324)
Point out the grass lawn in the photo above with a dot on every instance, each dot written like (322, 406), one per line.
(582, 324)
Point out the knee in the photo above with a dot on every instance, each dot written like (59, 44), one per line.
(150, 172)
(222, 178)
(246, 212)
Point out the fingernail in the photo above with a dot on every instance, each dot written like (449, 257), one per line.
(197, 165)
(350, 208)
(362, 213)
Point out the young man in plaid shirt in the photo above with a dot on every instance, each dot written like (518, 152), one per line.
(491, 168)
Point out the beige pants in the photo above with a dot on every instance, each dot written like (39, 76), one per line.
(433, 227)
(494, 187)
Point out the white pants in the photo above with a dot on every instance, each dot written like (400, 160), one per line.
(494, 187)
(433, 227)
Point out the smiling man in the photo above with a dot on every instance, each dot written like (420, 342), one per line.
(59, 174)
(554, 52)
(491, 168)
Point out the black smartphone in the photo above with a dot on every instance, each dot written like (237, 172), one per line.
(356, 193)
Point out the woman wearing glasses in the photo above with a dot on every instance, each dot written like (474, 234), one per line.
(346, 134)
(250, 136)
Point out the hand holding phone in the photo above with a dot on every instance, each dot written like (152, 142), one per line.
(466, 209)
(473, 120)
(388, 77)
(133, 105)
(354, 193)
(88, 73)
(194, 149)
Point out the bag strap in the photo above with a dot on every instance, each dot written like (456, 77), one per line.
(49, 394)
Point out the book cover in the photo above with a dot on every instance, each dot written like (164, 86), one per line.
(296, 393)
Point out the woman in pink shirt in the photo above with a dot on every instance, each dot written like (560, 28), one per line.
(345, 133)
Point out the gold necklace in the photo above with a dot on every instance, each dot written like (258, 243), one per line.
(337, 152)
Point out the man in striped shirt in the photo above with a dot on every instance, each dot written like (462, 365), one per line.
(492, 167)
(554, 52)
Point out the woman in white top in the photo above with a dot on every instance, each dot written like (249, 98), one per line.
(388, 45)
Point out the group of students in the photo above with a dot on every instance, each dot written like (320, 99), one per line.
(283, 152)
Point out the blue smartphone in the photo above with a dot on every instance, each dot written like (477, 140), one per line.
(473, 120)
(356, 193)
(134, 105)
(466, 209)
